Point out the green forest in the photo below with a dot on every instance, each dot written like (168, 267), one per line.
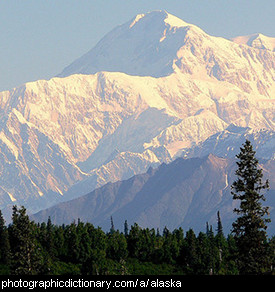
(29, 248)
(81, 249)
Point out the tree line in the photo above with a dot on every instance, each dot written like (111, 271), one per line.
(80, 248)
(28, 248)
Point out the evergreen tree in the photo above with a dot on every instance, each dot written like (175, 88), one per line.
(171, 248)
(96, 264)
(213, 251)
(231, 256)
(4, 242)
(220, 238)
(209, 230)
(222, 247)
(112, 229)
(72, 242)
(179, 235)
(203, 254)
(84, 242)
(158, 233)
(50, 238)
(116, 246)
(134, 241)
(271, 252)
(59, 242)
(148, 243)
(126, 228)
(26, 259)
(219, 227)
(250, 227)
(190, 257)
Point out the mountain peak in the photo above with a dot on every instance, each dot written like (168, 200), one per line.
(163, 15)
(175, 21)
(148, 43)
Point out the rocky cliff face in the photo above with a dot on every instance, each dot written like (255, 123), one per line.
(150, 89)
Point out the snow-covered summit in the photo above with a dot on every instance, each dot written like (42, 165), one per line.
(168, 18)
(158, 44)
(148, 43)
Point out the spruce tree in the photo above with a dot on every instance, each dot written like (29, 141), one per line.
(190, 259)
(26, 259)
(222, 246)
(112, 229)
(116, 246)
(72, 240)
(250, 227)
(85, 248)
(4, 242)
(204, 254)
(50, 238)
(219, 225)
(126, 228)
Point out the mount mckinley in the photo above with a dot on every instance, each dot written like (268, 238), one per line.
(153, 89)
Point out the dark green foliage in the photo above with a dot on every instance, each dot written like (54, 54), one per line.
(189, 251)
(135, 267)
(72, 240)
(126, 228)
(116, 246)
(81, 248)
(85, 243)
(250, 227)
(4, 242)
(26, 259)
(112, 229)
(219, 227)
(63, 268)
(49, 236)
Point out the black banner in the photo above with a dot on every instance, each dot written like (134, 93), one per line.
(45, 283)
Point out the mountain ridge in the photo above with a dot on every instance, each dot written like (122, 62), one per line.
(181, 193)
(256, 40)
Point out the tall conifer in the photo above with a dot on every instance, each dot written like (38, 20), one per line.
(4, 242)
(250, 227)
(26, 259)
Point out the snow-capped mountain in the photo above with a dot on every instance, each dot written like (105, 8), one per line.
(149, 89)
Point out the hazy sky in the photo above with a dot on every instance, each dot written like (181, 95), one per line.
(40, 37)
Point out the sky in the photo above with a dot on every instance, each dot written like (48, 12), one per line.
(41, 37)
